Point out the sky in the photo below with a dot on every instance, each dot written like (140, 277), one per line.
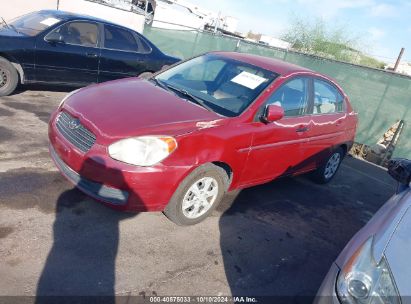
(383, 26)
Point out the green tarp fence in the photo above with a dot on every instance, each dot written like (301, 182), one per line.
(381, 98)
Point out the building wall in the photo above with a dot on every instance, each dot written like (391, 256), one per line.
(21, 7)
(119, 16)
(115, 15)
(176, 17)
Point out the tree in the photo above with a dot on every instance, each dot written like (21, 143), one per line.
(318, 38)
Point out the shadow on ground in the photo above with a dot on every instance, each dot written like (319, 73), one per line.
(279, 239)
(81, 262)
(42, 87)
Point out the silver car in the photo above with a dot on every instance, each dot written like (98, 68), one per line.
(375, 266)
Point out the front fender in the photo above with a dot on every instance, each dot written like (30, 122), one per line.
(220, 144)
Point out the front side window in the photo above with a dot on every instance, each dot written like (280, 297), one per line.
(327, 99)
(292, 97)
(33, 24)
(223, 85)
(79, 33)
(119, 39)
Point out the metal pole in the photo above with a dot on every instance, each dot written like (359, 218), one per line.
(58, 4)
(194, 44)
(238, 45)
(217, 21)
(389, 151)
(398, 59)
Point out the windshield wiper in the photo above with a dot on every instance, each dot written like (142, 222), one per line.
(9, 26)
(159, 83)
(197, 100)
(5, 23)
(14, 28)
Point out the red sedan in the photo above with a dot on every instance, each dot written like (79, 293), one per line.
(178, 141)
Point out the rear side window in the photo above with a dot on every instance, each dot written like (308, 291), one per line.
(292, 97)
(79, 33)
(119, 39)
(327, 99)
(143, 47)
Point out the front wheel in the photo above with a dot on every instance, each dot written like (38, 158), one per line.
(9, 77)
(197, 195)
(327, 171)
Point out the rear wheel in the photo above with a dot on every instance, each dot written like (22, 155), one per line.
(327, 171)
(9, 77)
(198, 195)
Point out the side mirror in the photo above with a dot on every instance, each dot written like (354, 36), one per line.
(400, 170)
(272, 113)
(54, 37)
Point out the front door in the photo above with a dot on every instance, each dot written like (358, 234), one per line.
(277, 148)
(74, 60)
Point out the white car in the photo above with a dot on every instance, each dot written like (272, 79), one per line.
(375, 267)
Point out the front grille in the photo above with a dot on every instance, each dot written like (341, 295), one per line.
(75, 132)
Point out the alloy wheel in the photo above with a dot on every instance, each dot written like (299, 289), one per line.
(3, 78)
(332, 165)
(200, 197)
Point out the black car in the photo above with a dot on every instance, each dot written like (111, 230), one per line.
(62, 48)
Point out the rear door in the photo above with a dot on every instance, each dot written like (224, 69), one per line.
(277, 148)
(328, 122)
(74, 61)
(123, 54)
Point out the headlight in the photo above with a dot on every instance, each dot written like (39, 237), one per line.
(363, 280)
(143, 151)
(67, 96)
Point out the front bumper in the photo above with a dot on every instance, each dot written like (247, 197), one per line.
(116, 184)
(327, 293)
(96, 190)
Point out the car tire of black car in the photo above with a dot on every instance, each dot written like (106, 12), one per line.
(326, 172)
(9, 77)
(174, 209)
(145, 75)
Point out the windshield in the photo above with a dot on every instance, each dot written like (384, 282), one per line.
(224, 85)
(32, 24)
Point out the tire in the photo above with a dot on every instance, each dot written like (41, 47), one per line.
(184, 196)
(145, 75)
(9, 77)
(327, 171)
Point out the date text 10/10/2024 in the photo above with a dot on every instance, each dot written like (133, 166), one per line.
(202, 299)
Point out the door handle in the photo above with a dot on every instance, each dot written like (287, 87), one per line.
(302, 129)
(92, 55)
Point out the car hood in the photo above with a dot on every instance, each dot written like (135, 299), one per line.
(133, 107)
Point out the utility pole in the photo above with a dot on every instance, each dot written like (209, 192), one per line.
(398, 59)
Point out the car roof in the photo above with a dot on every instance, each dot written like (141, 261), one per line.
(275, 65)
(70, 16)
